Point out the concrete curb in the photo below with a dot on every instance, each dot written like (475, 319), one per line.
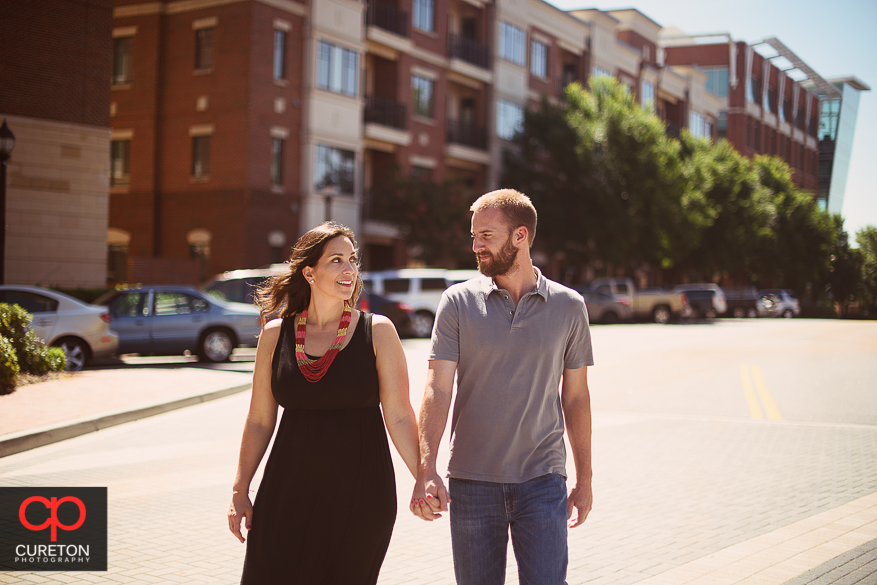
(46, 435)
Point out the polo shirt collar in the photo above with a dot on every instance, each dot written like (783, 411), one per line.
(541, 285)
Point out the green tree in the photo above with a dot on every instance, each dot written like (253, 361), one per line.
(845, 268)
(739, 212)
(432, 218)
(866, 238)
(804, 236)
(606, 178)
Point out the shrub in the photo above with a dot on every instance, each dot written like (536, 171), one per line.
(8, 366)
(29, 354)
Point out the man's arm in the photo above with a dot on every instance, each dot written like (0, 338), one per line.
(575, 399)
(430, 496)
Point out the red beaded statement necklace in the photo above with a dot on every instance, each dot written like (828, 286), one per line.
(313, 370)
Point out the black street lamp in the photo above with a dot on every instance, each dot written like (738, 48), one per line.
(7, 143)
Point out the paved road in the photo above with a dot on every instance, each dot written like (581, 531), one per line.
(692, 465)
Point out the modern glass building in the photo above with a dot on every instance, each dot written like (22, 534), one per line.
(836, 130)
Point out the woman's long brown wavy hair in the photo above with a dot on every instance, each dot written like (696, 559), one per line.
(289, 293)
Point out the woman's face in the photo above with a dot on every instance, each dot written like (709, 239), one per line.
(335, 273)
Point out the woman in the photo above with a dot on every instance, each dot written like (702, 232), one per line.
(327, 502)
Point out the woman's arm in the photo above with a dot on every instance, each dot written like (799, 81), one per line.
(258, 429)
(395, 401)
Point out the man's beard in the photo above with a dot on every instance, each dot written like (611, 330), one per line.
(500, 263)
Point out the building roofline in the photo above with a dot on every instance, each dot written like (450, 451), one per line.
(852, 81)
(637, 10)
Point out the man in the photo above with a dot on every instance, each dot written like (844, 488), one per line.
(510, 336)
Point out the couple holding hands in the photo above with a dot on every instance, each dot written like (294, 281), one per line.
(519, 346)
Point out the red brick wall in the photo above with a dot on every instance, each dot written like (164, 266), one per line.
(639, 42)
(57, 60)
(236, 204)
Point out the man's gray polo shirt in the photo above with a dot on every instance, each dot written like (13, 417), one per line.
(507, 425)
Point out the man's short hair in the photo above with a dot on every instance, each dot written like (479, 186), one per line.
(515, 206)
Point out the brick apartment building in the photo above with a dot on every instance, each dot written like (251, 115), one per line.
(206, 117)
(237, 125)
(763, 111)
(55, 99)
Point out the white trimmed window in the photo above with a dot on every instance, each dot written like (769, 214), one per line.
(338, 68)
(538, 59)
(424, 15)
(335, 166)
(123, 56)
(698, 125)
(647, 96)
(120, 163)
(512, 43)
(279, 54)
(422, 91)
(277, 162)
(201, 156)
(509, 119)
(600, 72)
(204, 48)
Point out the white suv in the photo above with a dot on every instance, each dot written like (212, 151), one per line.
(419, 288)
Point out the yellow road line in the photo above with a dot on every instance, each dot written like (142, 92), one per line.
(770, 407)
(749, 392)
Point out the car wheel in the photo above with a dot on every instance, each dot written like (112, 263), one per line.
(661, 314)
(788, 314)
(609, 317)
(76, 352)
(710, 314)
(423, 321)
(216, 346)
(752, 312)
(739, 312)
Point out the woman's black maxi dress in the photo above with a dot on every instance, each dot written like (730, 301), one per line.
(325, 509)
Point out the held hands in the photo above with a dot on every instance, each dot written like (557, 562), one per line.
(240, 510)
(430, 497)
(580, 498)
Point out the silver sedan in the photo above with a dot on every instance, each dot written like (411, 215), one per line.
(81, 330)
(170, 320)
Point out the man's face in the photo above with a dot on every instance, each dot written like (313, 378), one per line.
(492, 243)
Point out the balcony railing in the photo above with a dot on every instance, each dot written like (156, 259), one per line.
(468, 50)
(674, 130)
(387, 17)
(385, 112)
(467, 134)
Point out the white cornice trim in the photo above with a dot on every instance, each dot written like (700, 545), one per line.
(148, 8)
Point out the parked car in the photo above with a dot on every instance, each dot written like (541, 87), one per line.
(455, 276)
(419, 288)
(657, 305)
(168, 320)
(604, 308)
(81, 330)
(239, 286)
(785, 303)
(742, 302)
(706, 299)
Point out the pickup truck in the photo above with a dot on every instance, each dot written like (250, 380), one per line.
(654, 304)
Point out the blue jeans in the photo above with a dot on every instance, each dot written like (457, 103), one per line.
(482, 513)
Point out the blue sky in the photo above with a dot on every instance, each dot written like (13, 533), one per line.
(835, 38)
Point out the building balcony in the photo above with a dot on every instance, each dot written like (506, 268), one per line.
(387, 17)
(467, 134)
(387, 122)
(468, 50)
(385, 112)
(674, 130)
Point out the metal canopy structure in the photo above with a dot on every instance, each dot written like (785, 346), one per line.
(830, 91)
